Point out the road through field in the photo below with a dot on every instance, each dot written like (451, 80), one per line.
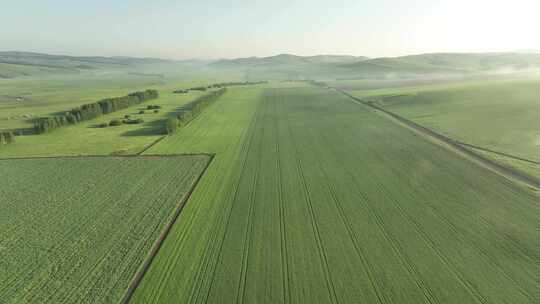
(314, 199)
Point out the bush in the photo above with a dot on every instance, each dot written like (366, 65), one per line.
(141, 112)
(127, 116)
(198, 89)
(103, 125)
(115, 122)
(156, 111)
(6, 137)
(152, 107)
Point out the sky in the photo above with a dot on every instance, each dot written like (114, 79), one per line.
(233, 28)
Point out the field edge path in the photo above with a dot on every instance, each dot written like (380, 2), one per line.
(456, 146)
(137, 278)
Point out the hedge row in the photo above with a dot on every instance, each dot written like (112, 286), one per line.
(6, 137)
(190, 110)
(92, 110)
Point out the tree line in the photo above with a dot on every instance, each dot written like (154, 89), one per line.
(92, 110)
(219, 85)
(191, 110)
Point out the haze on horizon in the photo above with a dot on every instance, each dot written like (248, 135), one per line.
(235, 28)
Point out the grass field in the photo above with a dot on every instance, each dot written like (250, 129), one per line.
(75, 230)
(86, 138)
(312, 198)
(23, 99)
(498, 115)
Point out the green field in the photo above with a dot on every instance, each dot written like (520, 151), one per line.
(76, 230)
(86, 138)
(499, 115)
(312, 198)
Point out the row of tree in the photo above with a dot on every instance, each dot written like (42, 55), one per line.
(190, 110)
(92, 110)
(6, 137)
(237, 83)
(219, 85)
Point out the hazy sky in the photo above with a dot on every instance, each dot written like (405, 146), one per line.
(238, 28)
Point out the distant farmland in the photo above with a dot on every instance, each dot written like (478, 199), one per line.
(312, 198)
(76, 230)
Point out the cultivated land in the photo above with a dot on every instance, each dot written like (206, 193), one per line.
(499, 115)
(312, 198)
(76, 230)
(492, 116)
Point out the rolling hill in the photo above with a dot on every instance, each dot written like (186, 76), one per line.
(333, 66)
(17, 64)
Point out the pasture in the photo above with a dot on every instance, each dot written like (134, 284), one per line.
(76, 230)
(312, 198)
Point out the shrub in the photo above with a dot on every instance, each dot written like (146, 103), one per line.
(141, 112)
(152, 107)
(134, 121)
(103, 125)
(127, 116)
(115, 122)
(156, 111)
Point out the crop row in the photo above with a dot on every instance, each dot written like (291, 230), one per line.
(81, 239)
(312, 198)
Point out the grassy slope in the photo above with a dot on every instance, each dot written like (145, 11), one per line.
(313, 199)
(86, 139)
(498, 115)
(76, 230)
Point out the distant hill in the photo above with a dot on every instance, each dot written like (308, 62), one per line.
(448, 63)
(350, 67)
(286, 59)
(283, 66)
(15, 64)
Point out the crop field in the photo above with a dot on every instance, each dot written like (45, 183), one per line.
(76, 230)
(498, 115)
(312, 198)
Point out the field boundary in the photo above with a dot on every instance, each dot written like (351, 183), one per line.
(211, 155)
(505, 171)
(143, 269)
(530, 161)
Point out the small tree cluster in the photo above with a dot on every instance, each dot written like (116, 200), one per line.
(6, 137)
(198, 89)
(93, 110)
(171, 125)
